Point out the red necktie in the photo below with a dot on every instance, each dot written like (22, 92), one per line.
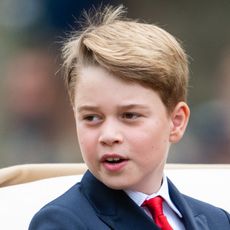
(155, 206)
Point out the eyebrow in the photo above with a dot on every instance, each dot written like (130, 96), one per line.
(95, 108)
(131, 106)
(87, 108)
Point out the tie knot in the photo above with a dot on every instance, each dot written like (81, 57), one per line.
(155, 205)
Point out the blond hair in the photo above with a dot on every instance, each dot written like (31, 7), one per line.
(131, 50)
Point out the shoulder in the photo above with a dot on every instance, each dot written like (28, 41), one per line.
(72, 210)
(61, 212)
(199, 212)
(211, 212)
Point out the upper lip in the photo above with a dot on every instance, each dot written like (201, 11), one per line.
(112, 156)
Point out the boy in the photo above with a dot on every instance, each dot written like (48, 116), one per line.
(127, 83)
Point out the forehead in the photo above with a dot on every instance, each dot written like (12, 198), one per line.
(96, 86)
(98, 78)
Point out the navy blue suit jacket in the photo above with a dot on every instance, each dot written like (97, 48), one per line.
(93, 206)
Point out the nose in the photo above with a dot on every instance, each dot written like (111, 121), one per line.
(110, 134)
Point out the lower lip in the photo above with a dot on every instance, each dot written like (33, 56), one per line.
(115, 167)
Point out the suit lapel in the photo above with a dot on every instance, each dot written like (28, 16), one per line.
(190, 219)
(118, 211)
(114, 207)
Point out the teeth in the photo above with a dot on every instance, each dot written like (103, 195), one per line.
(111, 159)
(116, 159)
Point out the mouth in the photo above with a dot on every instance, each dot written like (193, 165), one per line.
(113, 158)
(113, 162)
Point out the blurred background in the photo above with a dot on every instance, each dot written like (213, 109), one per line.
(36, 121)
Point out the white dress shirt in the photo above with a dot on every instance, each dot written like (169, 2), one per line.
(170, 211)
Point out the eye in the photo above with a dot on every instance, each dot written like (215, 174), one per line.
(92, 118)
(130, 115)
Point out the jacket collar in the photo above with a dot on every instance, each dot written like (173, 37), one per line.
(114, 207)
(191, 219)
(118, 211)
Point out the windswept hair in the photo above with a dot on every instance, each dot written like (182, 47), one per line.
(131, 50)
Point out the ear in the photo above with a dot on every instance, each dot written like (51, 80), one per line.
(179, 118)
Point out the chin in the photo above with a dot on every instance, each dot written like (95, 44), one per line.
(116, 184)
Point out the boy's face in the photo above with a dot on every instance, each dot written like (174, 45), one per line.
(124, 130)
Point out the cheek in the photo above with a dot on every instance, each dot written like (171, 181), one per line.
(87, 141)
(154, 141)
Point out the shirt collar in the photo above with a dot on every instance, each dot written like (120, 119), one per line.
(139, 197)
